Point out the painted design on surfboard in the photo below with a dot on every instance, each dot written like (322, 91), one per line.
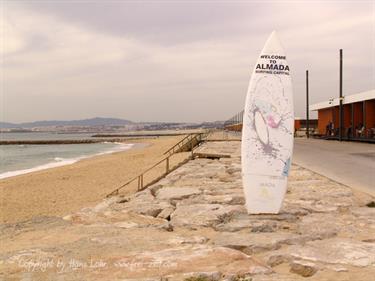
(269, 117)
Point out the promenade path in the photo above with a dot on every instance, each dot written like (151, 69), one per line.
(192, 225)
(350, 163)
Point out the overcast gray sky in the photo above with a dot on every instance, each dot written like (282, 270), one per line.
(172, 61)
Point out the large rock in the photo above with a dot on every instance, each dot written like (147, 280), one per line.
(321, 226)
(148, 209)
(305, 269)
(195, 215)
(189, 261)
(225, 189)
(251, 243)
(226, 199)
(144, 203)
(337, 251)
(364, 212)
(166, 213)
(321, 206)
(176, 193)
(248, 223)
(282, 217)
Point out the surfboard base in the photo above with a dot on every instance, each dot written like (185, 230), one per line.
(264, 194)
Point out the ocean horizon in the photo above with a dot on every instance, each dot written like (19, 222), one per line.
(23, 159)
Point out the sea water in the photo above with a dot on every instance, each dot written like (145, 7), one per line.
(21, 159)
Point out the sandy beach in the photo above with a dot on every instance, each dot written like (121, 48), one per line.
(60, 191)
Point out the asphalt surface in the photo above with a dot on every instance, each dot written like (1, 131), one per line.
(349, 163)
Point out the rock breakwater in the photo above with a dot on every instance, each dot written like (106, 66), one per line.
(192, 224)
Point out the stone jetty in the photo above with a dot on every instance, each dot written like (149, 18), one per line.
(192, 225)
(67, 141)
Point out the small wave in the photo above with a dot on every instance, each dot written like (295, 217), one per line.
(38, 168)
(120, 147)
(58, 161)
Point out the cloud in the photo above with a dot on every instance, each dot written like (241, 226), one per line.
(49, 45)
(14, 41)
(180, 62)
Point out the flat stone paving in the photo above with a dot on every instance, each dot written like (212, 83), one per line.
(193, 224)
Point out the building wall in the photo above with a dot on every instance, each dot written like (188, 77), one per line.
(324, 117)
(358, 114)
(336, 116)
(332, 114)
(347, 115)
(370, 113)
(297, 125)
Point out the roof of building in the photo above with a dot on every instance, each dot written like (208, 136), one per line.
(368, 95)
(304, 118)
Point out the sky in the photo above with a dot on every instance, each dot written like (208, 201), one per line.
(172, 61)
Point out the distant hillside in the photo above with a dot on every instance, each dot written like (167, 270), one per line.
(98, 121)
(6, 125)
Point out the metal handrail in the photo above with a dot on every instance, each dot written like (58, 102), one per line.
(139, 177)
(191, 136)
(177, 144)
(236, 119)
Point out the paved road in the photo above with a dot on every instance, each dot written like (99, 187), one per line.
(350, 163)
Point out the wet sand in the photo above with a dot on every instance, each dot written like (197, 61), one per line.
(60, 191)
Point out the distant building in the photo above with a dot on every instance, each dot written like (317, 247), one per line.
(358, 115)
(300, 123)
(235, 124)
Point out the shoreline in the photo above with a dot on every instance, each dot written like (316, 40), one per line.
(64, 161)
(65, 189)
(68, 141)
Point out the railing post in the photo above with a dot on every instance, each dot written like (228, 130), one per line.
(167, 168)
(191, 146)
(307, 106)
(142, 181)
(341, 109)
(139, 182)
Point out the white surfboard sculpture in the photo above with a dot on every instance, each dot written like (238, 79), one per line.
(268, 129)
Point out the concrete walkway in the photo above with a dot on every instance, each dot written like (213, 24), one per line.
(349, 163)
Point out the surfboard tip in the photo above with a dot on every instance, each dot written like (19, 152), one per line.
(273, 34)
